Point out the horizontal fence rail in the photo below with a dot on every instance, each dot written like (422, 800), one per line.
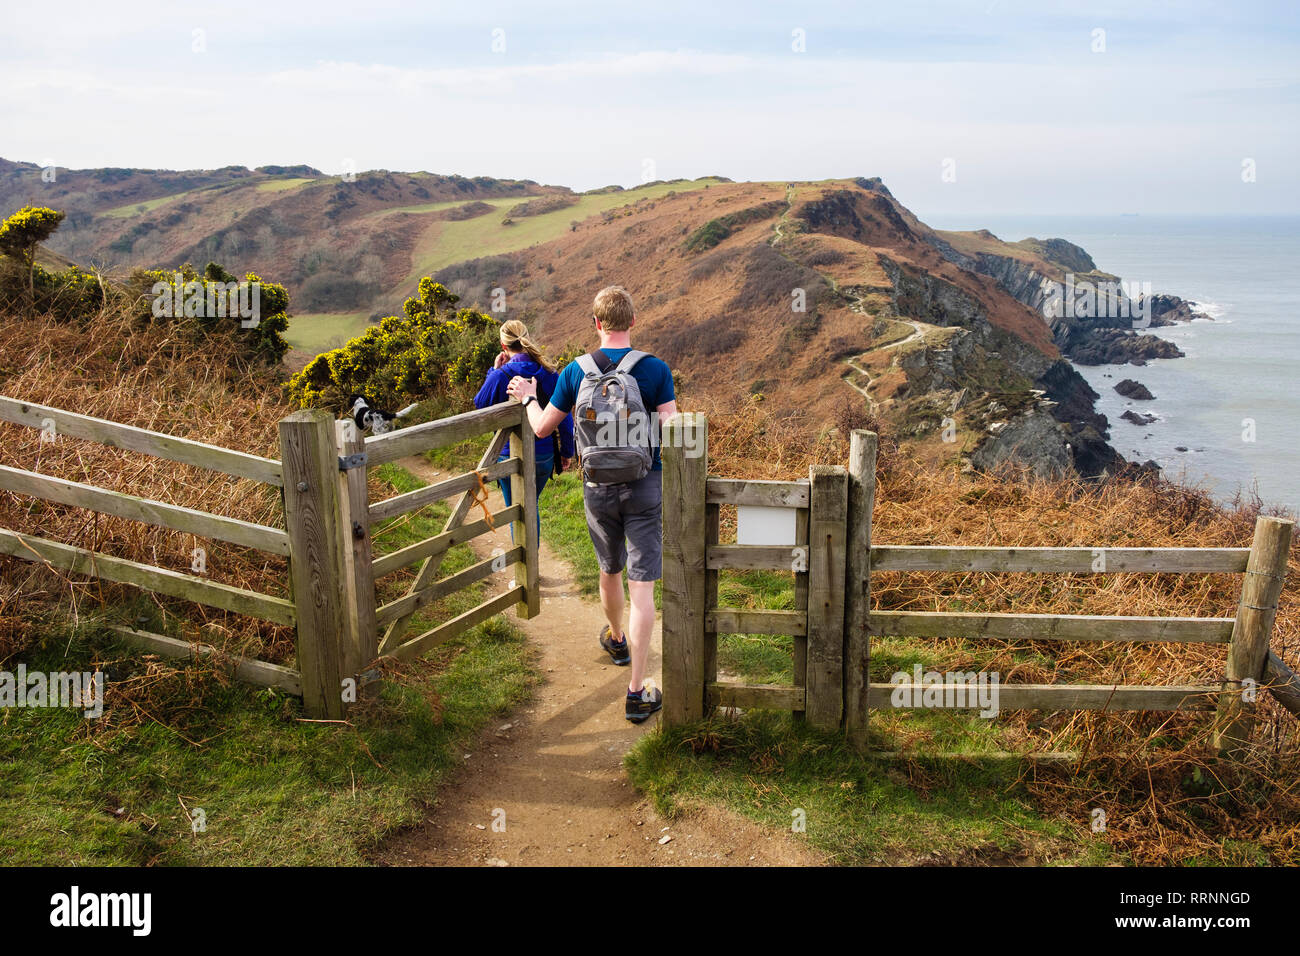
(445, 431)
(756, 557)
(430, 639)
(729, 620)
(262, 673)
(157, 444)
(158, 513)
(1051, 627)
(1056, 697)
(65, 557)
(764, 494)
(1056, 560)
(757, 696)
(439, 544)
(400, 504)
(415, 600)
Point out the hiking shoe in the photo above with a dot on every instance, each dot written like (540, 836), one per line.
(619, 653)
(642, 705)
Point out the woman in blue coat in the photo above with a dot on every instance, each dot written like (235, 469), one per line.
(521, 356)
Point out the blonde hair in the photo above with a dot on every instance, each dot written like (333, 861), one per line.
(515, 338)
(613, 307)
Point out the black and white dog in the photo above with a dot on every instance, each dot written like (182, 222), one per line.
(376, 420)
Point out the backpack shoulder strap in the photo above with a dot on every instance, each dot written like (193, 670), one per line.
(601, 361)
(629, 360)
(588, 363)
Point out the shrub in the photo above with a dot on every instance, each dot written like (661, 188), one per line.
(538, 207)
(188, 300)
(428, 351)
(716, 230)
(770, 278)
(22, 233)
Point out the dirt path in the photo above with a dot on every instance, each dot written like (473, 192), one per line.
(919, 329)
(555, 766)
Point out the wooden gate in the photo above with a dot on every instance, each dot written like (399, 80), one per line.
(326, 537)
(832, 623)
(510, 426)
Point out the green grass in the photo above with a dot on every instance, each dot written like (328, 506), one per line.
(446, 243)
(139, 208)
(280, 185)
(855, 811)
(320, 332)
(564, 529)
(274, 790)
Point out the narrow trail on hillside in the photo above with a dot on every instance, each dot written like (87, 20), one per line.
(857, 304)
(555, 765)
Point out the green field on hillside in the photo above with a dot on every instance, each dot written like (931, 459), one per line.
(139, 208)
(446, 243)
(280, 185)
(320, 332)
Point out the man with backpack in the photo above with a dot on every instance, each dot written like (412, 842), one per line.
(619, 398)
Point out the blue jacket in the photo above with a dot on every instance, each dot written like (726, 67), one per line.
(493, 392)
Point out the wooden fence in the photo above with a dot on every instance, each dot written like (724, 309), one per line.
(832, 624)
(326, 537)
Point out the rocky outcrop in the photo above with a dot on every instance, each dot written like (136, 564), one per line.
(1135, 390)
(1061, 252)
(1170, 310)
(1033, 439)
(1107, 337)
(1138, 418)
(1092, 345)
(981, 358)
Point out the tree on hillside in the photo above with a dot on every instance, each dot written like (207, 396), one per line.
(22, 232)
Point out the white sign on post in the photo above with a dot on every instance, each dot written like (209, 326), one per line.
(761, 525)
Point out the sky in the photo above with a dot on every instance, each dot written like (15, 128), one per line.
(991, 106)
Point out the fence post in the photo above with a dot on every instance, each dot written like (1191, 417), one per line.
(684, 451)
(709, 669)
(1248, 651)
(857, 591)
(800, 667)
(523, 491)
(827, 528)
(311, 518)
(362, 644)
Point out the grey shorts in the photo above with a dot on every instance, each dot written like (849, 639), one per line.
(625, 523)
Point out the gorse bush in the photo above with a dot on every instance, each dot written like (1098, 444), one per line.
(200, 305)
(430, 350)
(716, 230)
(25, 285)
(67, 295)
(22, 233)
(208, 301)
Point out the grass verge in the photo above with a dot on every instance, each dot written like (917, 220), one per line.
(274, 789)
(859, 811)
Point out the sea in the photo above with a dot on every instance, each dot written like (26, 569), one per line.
(1228, 414)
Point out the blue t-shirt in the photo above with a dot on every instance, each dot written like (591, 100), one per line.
(652, 375)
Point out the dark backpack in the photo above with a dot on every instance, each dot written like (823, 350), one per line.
(611, 426)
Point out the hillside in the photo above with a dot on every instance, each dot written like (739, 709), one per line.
(341, 245)
(891, 326)
(829, 300)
